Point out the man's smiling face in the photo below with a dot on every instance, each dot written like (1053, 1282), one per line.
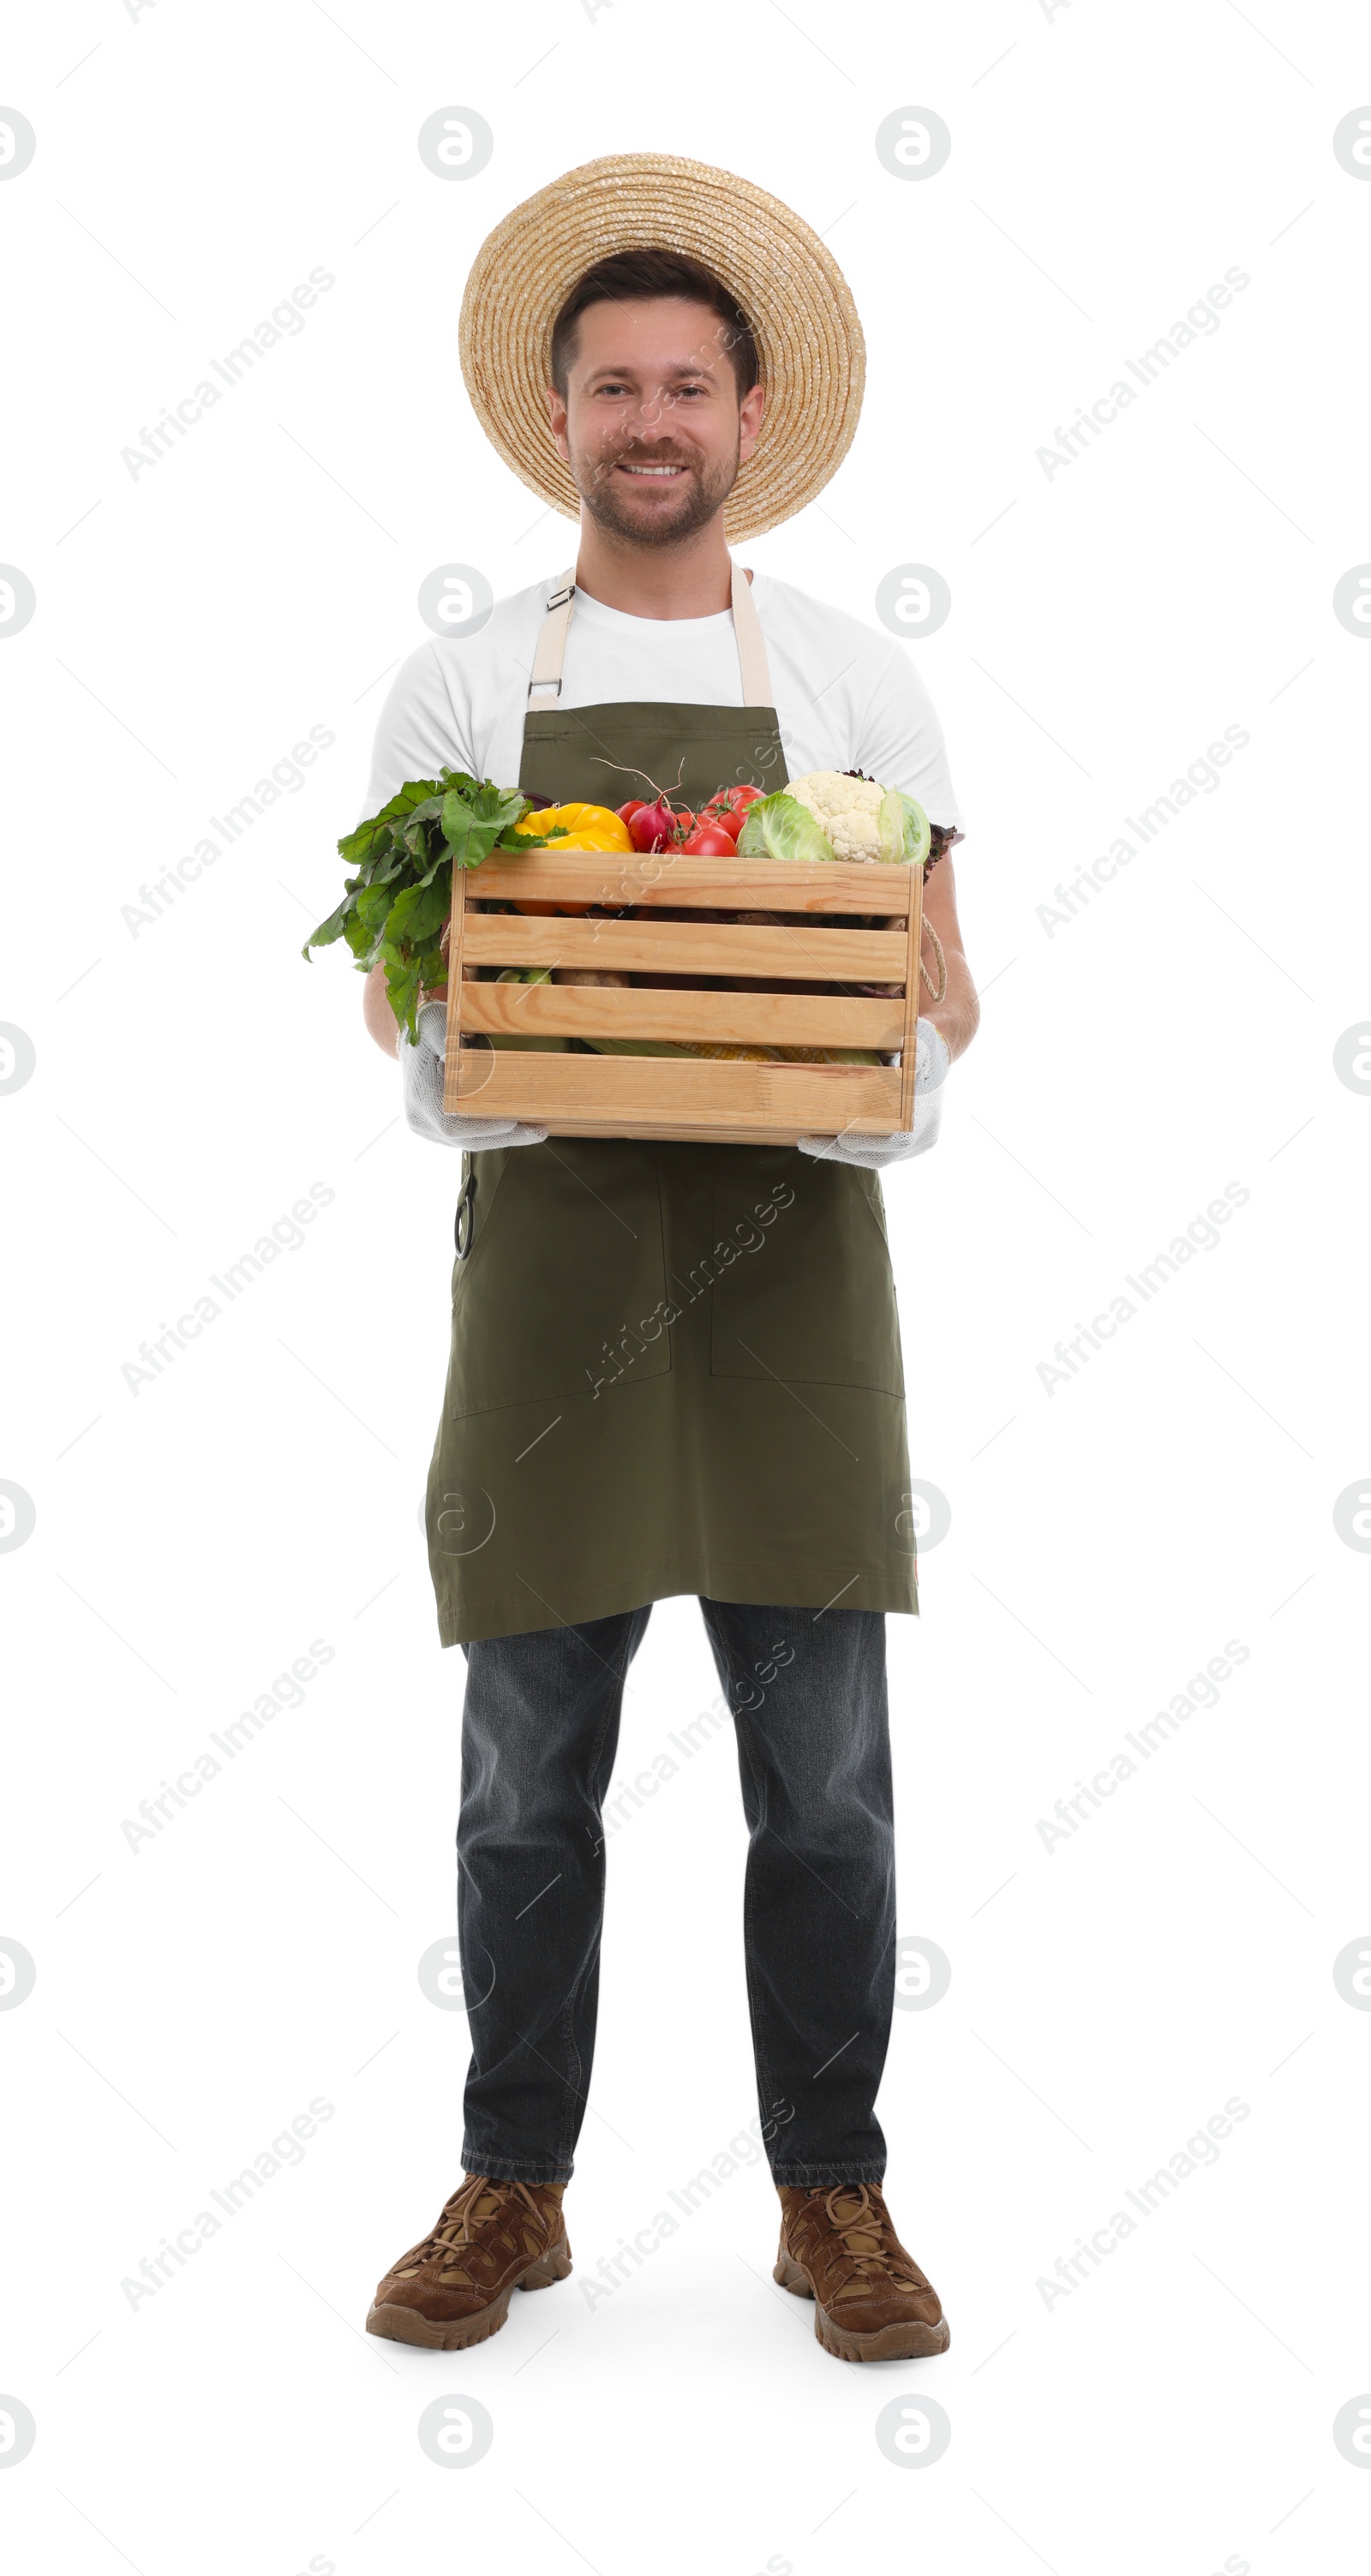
(651, 425)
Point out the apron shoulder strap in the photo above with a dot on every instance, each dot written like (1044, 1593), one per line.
(545, 683)
(747, 626)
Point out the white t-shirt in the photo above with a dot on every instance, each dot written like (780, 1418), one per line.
(845, 698)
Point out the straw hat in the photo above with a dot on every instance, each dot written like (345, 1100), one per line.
(809, 340)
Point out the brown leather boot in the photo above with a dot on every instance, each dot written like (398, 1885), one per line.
(454, 2287)
(839, 2248)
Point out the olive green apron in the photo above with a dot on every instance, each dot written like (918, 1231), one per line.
(675, 1368)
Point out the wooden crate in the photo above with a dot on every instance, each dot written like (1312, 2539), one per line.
(682, 1098)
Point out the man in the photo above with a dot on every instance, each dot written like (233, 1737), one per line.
(700, 364)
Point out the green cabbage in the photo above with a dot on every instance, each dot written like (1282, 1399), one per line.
(904, 827)
(780, 827)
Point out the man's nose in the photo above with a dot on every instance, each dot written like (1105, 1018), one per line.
(652, 411)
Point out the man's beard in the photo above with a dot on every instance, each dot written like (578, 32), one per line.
(701, 495)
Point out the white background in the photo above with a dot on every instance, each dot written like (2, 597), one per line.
(1107, 1537)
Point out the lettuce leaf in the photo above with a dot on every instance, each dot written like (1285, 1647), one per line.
(906, 832)
(780, 827)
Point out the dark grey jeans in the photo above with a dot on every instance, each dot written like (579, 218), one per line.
(807, 1695)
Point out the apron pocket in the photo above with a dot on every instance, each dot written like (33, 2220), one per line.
(809, 1296)
(565, 1282)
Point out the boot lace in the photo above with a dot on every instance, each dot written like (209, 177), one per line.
(870, 2250)
(474, 2205)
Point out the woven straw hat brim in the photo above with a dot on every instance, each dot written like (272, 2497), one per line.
(809, 340)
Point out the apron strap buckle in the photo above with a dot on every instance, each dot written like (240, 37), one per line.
(545, 681)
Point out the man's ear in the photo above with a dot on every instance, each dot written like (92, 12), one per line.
(750, 411)
(557, 417)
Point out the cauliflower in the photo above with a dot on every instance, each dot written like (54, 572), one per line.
(835, 815)
(862, 820)
(847, 811)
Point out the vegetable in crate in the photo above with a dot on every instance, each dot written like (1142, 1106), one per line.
(662, 826)
(656, 826)
(584, 827)
(396, 905)
(826, 815)
(830, 814)
(587, 827)
(537, 1045)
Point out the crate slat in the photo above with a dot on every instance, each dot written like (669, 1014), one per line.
(658, 1132)
(751, 885)
(643, 1092)
(733, 1019)
(909, 1033)
(802, 953)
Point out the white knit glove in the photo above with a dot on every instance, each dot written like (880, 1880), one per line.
(421, 1074)
(877, 1153)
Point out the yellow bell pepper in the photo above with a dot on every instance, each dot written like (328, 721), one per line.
(587, 827)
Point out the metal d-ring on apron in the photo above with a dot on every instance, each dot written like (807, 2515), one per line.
(674, 1368)
(465, 1223)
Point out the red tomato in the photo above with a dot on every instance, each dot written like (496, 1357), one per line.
(727, 818)
(683, 820)
(710, 840)
(627, 812)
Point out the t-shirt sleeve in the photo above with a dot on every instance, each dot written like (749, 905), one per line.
(901, 742)
(417, 731)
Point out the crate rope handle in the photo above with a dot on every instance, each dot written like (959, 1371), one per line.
(942, 963)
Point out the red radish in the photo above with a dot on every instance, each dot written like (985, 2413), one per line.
(709, 840)
(652, 826)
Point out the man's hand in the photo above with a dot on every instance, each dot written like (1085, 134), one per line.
(421, 1073)
(877, 1153)
(945, 1029)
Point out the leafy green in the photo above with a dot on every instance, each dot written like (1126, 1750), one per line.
(905, 828)
(780, 827)
(399, 897)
